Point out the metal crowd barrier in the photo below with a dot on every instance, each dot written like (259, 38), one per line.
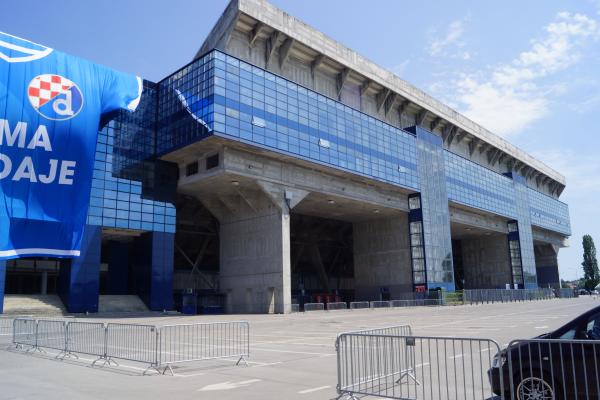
(415, 303)
(565, 293)
(314, 306)
(154, 346)
(395, 330)
(337, 306)
(198, 342)
(413, 367)
(380, 304)
(295, 308)
(477, 296)
(549, 369)
(359, 305)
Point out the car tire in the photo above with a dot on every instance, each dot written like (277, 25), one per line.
(533, 387)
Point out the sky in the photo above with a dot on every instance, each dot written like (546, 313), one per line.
(528, 71)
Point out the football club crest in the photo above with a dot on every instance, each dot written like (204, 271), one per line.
(55, 97)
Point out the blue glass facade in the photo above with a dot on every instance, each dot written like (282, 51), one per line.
(434, 210)
(223, 96)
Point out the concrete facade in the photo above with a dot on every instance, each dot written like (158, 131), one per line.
(486, 262)
(382, 258)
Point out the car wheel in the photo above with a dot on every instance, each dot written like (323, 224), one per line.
(534, 389)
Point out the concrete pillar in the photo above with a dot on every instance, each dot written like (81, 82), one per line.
(546, 264)
(79, 277)
(255, 247)
(486, 263)
(153, 269)
(382, 258)
(44, 284)
(118, 268)
(2, 282)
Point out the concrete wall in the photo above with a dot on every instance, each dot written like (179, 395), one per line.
(486, 263)
(382, 257)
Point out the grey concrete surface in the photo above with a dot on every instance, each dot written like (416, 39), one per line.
(292, 356)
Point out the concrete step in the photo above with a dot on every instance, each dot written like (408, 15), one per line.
(121, 304)
(34, 304)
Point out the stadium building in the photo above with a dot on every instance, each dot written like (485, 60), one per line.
(280, 166)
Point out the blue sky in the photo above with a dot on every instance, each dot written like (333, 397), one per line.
(529, 71)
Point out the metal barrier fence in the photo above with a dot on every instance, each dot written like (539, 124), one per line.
(414, 367)
(359, 305)
(548, 369)
(295, 308)
(565, 293)
(155, 346)
(337, 306)
(380, 304)
(415, 303)
(198, 342)
(476, 296)
(314, 306)
(131, 342)
(395, 330)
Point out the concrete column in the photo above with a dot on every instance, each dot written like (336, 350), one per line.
(153, 269)
(79, 277)
(382, 257)
(118, 268)
(486, 263)
(44, 284)
(546, 264)
(255, 247)
(2, 281)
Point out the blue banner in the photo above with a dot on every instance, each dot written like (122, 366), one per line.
(50, 108)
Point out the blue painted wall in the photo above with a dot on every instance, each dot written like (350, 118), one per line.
(153, 269)
(2, 281)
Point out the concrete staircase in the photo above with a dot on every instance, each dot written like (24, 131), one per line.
(121, 304)
(33, 304)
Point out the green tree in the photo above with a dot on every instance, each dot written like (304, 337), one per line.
(591, 275)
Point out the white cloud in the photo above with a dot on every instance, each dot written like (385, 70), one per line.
(452, 39)
(399, 69)
(509, 97)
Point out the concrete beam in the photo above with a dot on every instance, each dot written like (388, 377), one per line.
(452, 135)
(473, 144)
(446, 131)
(316, 64)
(381, 98)
(420, 118)
(341, 80)
(389, 103)
(284, 51)
(401, 108)
(435, 123)
(460, 135)
(255, 33)
(271, 46)
(365, 86)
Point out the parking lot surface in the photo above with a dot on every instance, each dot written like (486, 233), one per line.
(291, 356)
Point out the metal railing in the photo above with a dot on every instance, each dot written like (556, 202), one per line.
(478, 296)
(295, 308)
(395, 330)
(565, 293)
(198, 342)
(414, 367)
(337, 306)
(314, 306)
(359, 305)
(157, 347)
(415, 303)
(548, 369)
(380, 304)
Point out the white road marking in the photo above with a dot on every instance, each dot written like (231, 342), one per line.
(227, 385)
(541, 327)
(313, 389)
(297, 352)
(421, 365)
(456, 356)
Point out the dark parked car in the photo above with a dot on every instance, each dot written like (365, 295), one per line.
(564, 364)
